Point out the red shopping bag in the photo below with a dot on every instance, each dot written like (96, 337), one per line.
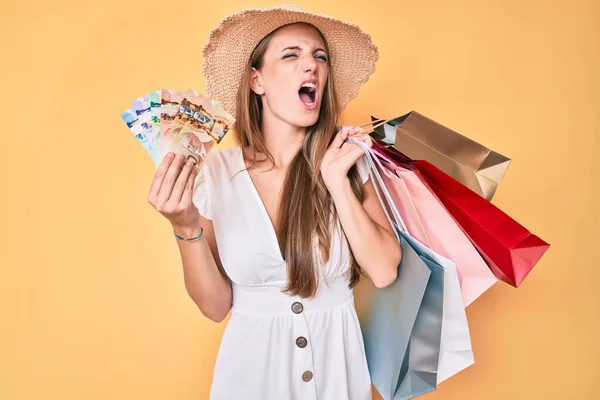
(509, 249)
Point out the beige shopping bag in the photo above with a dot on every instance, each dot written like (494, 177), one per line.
(467, 161)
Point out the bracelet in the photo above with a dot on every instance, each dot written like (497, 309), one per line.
(193, 239)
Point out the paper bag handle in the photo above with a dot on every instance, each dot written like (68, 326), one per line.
(378, 184)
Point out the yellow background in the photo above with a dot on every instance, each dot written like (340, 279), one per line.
(92, 300)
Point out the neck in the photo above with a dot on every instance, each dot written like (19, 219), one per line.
(283, 140)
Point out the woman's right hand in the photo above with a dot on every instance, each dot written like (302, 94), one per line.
(171, 192)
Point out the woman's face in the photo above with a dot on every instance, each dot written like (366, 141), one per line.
(292, 78)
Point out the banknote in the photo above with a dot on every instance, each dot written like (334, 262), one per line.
(192, 94)
(141, 106)
(183, 116)
(215, 119)
(155, 108)
(189, 139)
(184, 122)
(135, 126)
(209, 113)
(203, 129)
(170, 101)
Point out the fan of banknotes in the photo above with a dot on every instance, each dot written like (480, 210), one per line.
(182, 122)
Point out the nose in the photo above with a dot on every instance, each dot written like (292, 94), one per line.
(309, 64)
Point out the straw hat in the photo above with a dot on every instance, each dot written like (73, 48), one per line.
(230, 44)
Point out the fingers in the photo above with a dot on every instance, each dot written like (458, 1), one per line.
(368, 140)
(187, 174)
(356, 150)
(356, 131)
(343, 134)
(170, 177)
(339, 139)
(186, 197)
(159, 177)
(353, 149)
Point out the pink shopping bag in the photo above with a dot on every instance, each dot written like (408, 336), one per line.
(428, 221)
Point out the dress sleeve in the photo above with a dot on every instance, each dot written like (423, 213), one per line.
(363, 169)
(202, 189)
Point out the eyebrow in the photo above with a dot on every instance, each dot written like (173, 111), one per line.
(298, 48)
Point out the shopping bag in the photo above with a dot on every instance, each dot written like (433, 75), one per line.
(467, 161)
(428, 221)
(424, 215)
(510, 250)
(389, 323)
(403, 329)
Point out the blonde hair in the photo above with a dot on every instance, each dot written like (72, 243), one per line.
(306, 208)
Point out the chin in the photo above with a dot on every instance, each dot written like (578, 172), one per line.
(303, 118)
(306, 121)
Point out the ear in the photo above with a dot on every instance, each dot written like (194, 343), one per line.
(256, 82)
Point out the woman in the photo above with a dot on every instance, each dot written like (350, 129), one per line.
(278, 229)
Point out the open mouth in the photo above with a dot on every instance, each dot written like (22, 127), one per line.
(308, 93)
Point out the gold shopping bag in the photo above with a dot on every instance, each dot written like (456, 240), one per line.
(420, 138)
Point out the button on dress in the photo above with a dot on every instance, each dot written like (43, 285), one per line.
(276, 346)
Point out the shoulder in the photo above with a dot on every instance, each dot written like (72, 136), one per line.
(221, 161)
(214, 179)
(220, 158)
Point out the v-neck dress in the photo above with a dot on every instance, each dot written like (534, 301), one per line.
(276, 346)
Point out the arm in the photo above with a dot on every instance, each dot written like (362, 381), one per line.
(369, 234)
(205, 281)
(204, 277)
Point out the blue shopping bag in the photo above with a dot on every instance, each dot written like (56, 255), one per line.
(403, 327)
(390, 320)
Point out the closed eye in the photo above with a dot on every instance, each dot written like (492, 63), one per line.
(322, 57)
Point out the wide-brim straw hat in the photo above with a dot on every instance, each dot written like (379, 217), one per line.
(352, 53)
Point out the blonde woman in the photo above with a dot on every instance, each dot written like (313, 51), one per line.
(277, 230)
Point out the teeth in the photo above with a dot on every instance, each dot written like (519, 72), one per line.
(310, 85)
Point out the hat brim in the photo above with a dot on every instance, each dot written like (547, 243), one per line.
(352, 52)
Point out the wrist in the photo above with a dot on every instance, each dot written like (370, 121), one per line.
(339, 187)
(187, 231)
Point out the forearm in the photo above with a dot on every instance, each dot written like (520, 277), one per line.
(206, 285)
(375, 249)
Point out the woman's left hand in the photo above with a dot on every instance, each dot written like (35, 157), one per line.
(342, 155)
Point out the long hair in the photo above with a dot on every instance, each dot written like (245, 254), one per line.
(306, 208)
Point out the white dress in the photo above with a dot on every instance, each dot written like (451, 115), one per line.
(276, 346)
